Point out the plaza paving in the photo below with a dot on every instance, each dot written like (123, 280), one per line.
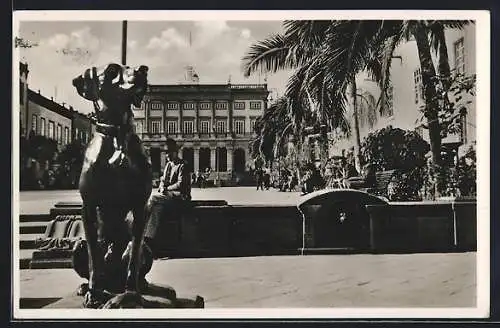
(330, 281)
(412, 280)
(40, 202)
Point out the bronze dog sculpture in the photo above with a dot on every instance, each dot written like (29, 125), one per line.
(116, 179)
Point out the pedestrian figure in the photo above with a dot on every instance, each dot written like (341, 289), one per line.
(266, 178)
(174, 191)
(259, 175)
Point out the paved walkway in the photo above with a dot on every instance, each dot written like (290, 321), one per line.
(40, 202)
(412, 280)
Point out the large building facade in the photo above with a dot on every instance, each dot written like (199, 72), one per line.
(48, 118)
(213, 123)
(39, 115)
(406, 93)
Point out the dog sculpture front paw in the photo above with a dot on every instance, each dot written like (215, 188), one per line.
(82, 289)
(126, 300)
(94, 299)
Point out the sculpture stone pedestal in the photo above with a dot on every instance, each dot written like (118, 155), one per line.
(156, 296)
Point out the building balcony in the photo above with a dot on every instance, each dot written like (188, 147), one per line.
(147, 136)
(151, 136)
(249, 86)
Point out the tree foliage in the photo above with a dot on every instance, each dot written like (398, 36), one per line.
(394, 148)
(402, 150)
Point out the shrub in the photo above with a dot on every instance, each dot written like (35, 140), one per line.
(460, 179)
(393, 148)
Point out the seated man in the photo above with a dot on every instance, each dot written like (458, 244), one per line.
(174, 190)
(367, 180)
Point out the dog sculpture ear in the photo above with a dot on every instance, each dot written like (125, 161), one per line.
(87, 84)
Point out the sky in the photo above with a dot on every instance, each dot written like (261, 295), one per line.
(66, 49)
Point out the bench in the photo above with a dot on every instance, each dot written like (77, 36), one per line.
(382, 179)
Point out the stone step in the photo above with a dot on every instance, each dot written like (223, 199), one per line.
(33, 227)
(25, 258)
(27, 240)
(51, 264)
(34, 218)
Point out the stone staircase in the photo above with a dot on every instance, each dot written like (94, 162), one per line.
(31, 227)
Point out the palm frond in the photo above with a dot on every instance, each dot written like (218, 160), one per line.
(269, 55)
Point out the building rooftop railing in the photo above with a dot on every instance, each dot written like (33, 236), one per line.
(248, 86)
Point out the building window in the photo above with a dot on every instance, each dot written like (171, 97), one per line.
(77, 135)
(141, 106)
(171, 127)
(239, 126)
(188, 105)
(205, 105)
(139, 127)
(221, 105)
(205, 126)
(156, 105)
(173, 105)
(59, 133)
(34, 121)
(463, 127)
(458, 48)
(417, 86)
(252, 124)
(66, 135)
(255, 105)
(221, 126)
(239, 105)
(155, 126)
(188, 127)
(42, 126)
(51, 130)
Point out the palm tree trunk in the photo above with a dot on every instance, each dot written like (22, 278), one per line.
(443, 61)
(354, 108)
(431, 103)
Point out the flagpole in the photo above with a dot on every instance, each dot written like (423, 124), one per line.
(124, 42)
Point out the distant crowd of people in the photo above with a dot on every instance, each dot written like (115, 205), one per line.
(338, 173)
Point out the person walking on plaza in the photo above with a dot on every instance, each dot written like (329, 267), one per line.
(173, 192)
(259, 178)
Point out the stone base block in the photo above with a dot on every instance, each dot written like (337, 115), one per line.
(157, 296)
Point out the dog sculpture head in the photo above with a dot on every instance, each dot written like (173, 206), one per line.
(114, 87)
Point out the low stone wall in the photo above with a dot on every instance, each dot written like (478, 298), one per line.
(215, 229)
(423, 226)
(212, 229)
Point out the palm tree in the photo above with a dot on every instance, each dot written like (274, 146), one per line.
(270, 129)
(327, 58)
(332, 53)
(367, 108)
(429, 35)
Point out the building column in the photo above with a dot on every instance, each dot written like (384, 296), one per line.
(163, 159)
(163, 117)
(230, 117)
(180, 127)
(145, 128)
(197, 117)
(213, 156)
(196, 159)
(229, 152)
(213, 117)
